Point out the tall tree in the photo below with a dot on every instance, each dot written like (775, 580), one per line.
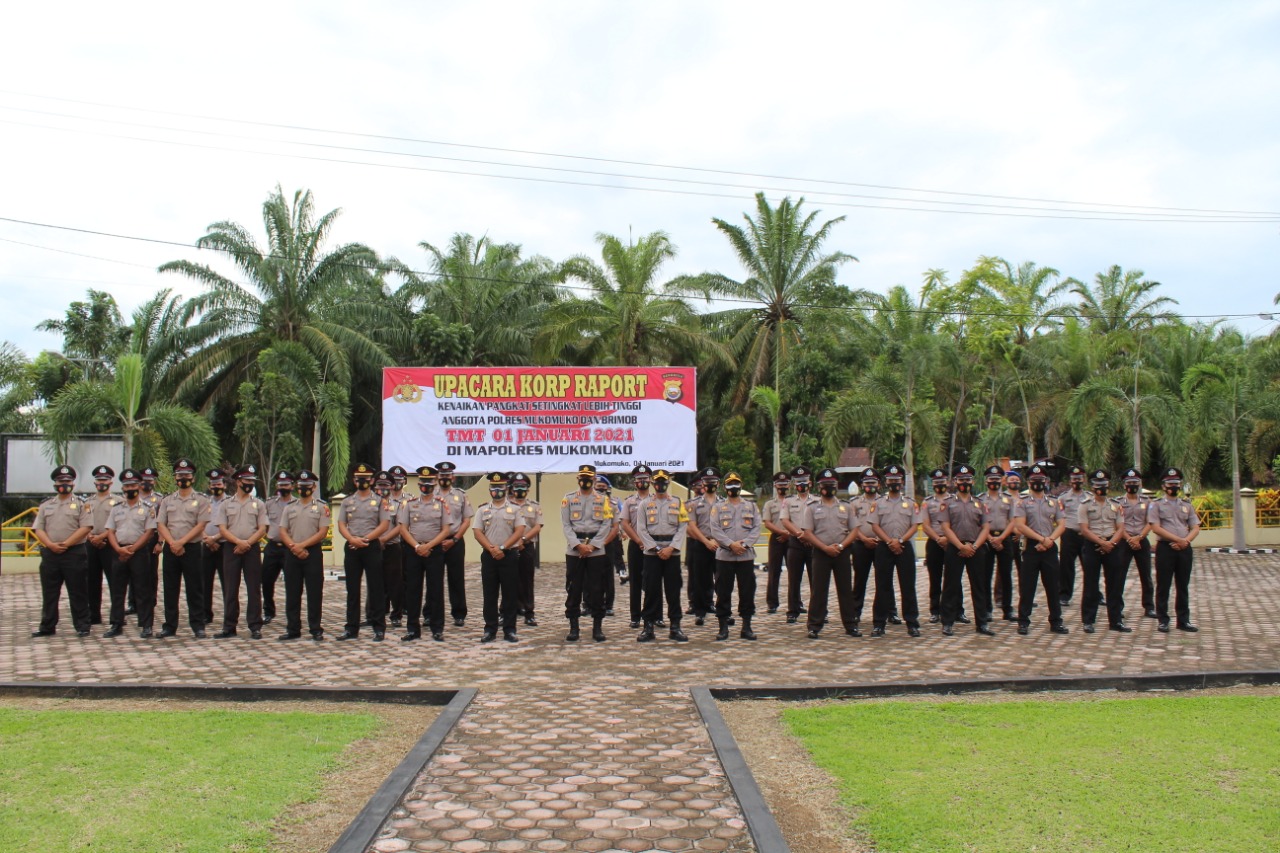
(331, 303)
(93, 333)
(1120, 307)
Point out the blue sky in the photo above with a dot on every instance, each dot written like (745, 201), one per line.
(1145, 105)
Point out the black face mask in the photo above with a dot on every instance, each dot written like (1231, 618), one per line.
(284, 493)
(247, 488)
(964, 487)
(363, 485)
(305, 491)
(868, 489)
(382, 491)
(827, 491)
(426, 488)
(102, 487)
(1100, 490)
(585, 483)
(1037, 486)
(519, 494)
(802, 488)
(131, 494)
(184, 482)
(993, 484)
(1132, 489)
(782, 493)
(1170, 489)
(660, 486)
(642, 487)
(710, 489)
(216, 491)
(733, 491)
(939, 488)
(894, 487)
(148, 488)
(64, 488)
(497, 494)
(1077, 484)
(447, 482)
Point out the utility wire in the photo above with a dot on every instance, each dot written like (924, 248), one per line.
(387, 268)
(766, 176)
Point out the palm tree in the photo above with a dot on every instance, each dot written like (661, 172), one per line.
(1122, 403)
(629, 319)
(1119, 308)
(331, 303)
(93, 332)
(1026, 297)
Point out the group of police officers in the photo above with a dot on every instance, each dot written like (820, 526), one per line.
(405, 552)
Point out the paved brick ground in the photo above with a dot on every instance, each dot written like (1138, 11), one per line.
(601, 737)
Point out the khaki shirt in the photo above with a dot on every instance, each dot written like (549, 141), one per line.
(1070, 502)
(60, 518)
(966, 516)
(363, 515)
(830, 523)
(532, 516)
(934, 508)
(497, 523)
(663, 521)
(1102, 518)
(772, 513)
(423, 517)
(211, 529)
(1134, 514)
(242, 517)
(895, 517)
(999, 511)
(304, 520)
(792, 510)
(101, 506)
(459, 505)
(734, 521)
(1040, 514)
(862, 507)
(631, 508)
(130, 522)
(275, 511)
(393, 512)
(181, 514)
(586, 519)
(1175, 515)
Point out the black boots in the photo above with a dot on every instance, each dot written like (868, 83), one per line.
(746, 633)
(676, 634)
(724, 630)
(572, 636)
(597, 630)
(646, 636)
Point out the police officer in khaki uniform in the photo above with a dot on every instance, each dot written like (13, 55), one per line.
(100, 553)
(965, 525)
(424, 526)
(865, 541)
(1175, 523)
(62, 524)
(935, 549)
(362, 519)
(130, 527)
(1072, 541)
(1136, 547)
(455, 546)
(799, 551)
(771, 517)
(734, 524)
(1000, 545)
(702, 566)
(828, 527)
(274, 552)
(640, 479)
(180, 520)
(211, 546)
(895, 520)
(587, 519)
(661, 522)
(151, 498)
(1102, 529)
(528, 550)
(304, 524)
(498, 528)
(242, 522)
(393, 548)
(1040, 521)
(612, 545)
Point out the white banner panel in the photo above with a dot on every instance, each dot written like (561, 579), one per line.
(544, 419)
(28, 462)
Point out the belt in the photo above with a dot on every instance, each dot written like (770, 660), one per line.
(662, 538)
(585, 540)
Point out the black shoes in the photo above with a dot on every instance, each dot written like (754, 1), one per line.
(878, 631)
(676, 634)
(597, 634)
(1163, 627)
(396, 623)
(1009, 617)
(489, 636)
(791, 620)
(166, 633)
(114, 631)
(1059, 629)
(347, 635)
(635, 623)
(255, 634)
(1023, 630)
(660, 623)
(410, 637)
(1088, 628)
(459, 622)
(963, 619)
(913, 631)
(985, 631)
(379, 636)
(1121, 627)
(509, 636)
(533, 623)
(855, 631)
(773, 610)
(221, 635)
(146, 634)
(746, 633)
(199, 633)
(438, 636)
(935, 619)
(574, 634)
(609, 612)
(812, 635)
(317, 636)
(1150, 613)
(1188, 627)
(700, 620)
(266, 620)
(948, 631)
(895, 619)
(284, 638)
(82, 633)
(646, 636)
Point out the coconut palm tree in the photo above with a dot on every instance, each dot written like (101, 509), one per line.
(93, 332)
(1119, 307)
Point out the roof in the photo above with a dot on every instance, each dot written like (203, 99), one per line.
(854, 457)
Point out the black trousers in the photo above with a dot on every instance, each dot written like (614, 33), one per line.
(613, 551)
(742, 573)
(777, 555)
(97, 567)
(302, 574)
(824, 566)
(702, 563)
(635, 570)
(455, 563)
(953, 595)
(1093, 564)
(998, 574)
(863, 558)
(59, 570)
(273, 556)
(799, 558)
(935, 557)
(1072, 545)
(211, 567)
(1142, 558)
(586, 577)
(1173, 568)
(393, 578)
(135, 574)
(887, 564)
(365, 564)
(179, 572)
(424, 573)
(500, 577)
(662, 577)
(1038, 567)
(528, 562)
(234, 567)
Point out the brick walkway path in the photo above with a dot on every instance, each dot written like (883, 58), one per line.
(602, 737)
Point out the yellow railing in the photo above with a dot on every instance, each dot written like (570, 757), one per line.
(17, 537)
(1216, 519)
(1269, 517)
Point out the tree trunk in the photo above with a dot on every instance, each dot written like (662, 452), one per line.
(1237, 505)
(955, 428)
(1137, 434)
(315, 450)
(908, 458)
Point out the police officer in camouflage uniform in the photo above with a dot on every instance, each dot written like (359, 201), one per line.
(62, 524)
(130, 527)
(734, 524)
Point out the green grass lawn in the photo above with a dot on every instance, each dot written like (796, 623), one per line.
(1170, 773)
(160, 780)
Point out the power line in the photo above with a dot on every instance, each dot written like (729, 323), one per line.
(382, 268)
(615, 161)
(69, 252)
(1206, 217)
(529, 178)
